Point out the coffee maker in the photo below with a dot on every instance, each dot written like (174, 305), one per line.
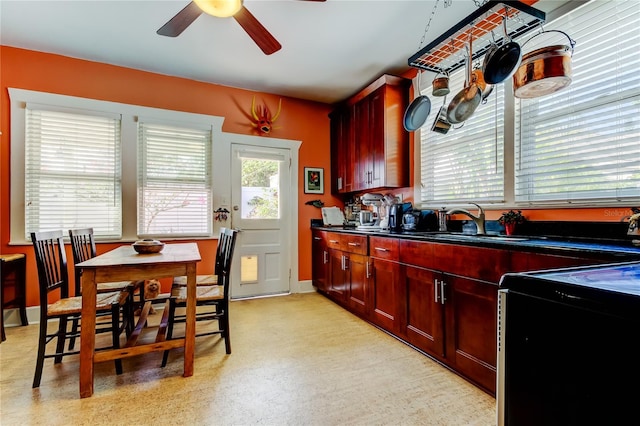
(396, 212)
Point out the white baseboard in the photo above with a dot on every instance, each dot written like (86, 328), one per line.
(303, 287)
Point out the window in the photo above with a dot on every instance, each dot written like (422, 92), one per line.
(174, 181)
(467, 163)
(583, 143)
(576, 146)
(72, 172)
(93, 163)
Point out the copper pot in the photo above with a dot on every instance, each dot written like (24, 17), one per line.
(544, 71)
(441, 85)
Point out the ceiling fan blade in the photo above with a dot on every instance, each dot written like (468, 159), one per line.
(257, 32)
(181, 21)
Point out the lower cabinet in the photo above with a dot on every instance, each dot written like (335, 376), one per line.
(385, 294)
(319, 261)
(470, 328)
(439, 297)
(423, 321)
(357, 282)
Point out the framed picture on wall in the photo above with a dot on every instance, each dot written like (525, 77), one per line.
(313, 180)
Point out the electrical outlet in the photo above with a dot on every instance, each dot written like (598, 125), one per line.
(399, 198)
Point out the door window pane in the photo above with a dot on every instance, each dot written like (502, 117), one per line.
(260, 189)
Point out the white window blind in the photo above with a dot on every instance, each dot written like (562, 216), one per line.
(174, 181)
(466, 163)
(583, 143)
(72, 172)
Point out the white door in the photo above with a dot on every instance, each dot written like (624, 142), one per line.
(260, 197)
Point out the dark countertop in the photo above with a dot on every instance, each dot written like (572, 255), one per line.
(540, 244)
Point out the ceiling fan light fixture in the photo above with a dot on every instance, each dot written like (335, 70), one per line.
(220, 8)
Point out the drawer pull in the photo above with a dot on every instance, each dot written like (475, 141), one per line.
(380, 249)
(317, 238)
(333, 241)
(354, 244)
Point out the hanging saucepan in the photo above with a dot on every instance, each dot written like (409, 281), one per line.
(504, 61)
(441, 84)
(544, 71)
(467, 100)
(440, 124)
(417, 112)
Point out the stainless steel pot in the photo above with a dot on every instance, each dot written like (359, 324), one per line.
(544, 71)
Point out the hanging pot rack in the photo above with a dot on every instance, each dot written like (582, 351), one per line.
(446, 53)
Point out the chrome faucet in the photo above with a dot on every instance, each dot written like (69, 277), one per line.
(478, 220)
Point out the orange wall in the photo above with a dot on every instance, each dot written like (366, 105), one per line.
(299, 120)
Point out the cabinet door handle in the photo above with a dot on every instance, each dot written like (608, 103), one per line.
(442, 298)
(367, 270)
(380, 249)
(325, 256)
(339, 183)
(354, 244)
(317, 238)
(342, 262)
(435, 289)
(346, 263)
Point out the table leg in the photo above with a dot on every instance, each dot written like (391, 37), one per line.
(87, 332)
(190, 326)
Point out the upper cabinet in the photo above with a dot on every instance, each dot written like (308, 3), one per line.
(369, 145)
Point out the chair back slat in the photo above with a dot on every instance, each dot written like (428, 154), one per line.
(51, 261)
(227, 244)
(83, 247)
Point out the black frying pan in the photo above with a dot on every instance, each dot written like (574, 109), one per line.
(503, 61)
(416, 114)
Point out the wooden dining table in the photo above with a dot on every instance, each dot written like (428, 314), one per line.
(125, 264)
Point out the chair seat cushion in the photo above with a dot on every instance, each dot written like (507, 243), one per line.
(73, 305)
(200, 280)
(209, 292)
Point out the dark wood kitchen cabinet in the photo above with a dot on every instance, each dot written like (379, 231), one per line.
(450, 311)
(369, 145)
(348, 271)
(384, 273)
(343, 150)
(440, 297)
(319, 260)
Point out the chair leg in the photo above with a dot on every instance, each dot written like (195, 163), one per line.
(42, 344)
(115, 333)
(172, 313)
(61, 335)
(75, 322)
(224, 320)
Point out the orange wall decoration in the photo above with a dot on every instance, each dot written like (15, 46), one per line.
(298, 120)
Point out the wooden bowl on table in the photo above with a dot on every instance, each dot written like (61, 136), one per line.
(148, 246)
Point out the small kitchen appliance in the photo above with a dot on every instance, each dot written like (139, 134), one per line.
(396, 212)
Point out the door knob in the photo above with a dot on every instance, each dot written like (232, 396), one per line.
(236, 208)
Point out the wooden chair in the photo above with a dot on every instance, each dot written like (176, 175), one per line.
(53, 280)
(83, 247)
(212, 301)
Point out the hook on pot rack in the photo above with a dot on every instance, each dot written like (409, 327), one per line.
(440, 55)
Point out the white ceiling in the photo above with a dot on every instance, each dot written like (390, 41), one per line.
(330, 50)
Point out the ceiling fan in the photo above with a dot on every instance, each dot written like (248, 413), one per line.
(223, 9)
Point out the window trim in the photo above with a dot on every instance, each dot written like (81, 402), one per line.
(18, 102)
